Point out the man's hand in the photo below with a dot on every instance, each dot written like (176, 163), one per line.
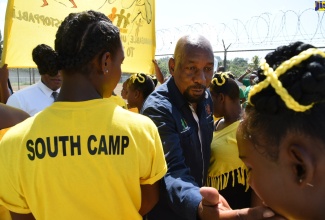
(212, 204)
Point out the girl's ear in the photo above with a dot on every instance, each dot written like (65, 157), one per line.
(302, 164)
(222, 97)
(106, 62)
(137, 94)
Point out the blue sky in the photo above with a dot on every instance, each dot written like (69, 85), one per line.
(176, 13)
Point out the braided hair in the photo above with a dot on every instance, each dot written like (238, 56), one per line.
(289, 97)
(223, 82)
(143, 83)
(81, 37)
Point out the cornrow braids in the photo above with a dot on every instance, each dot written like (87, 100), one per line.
(82, 36)
(46, 60)
(289, 97)
(222, 82)
(143, 83)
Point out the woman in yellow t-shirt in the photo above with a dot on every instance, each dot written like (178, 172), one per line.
(83, 151)
(227, 173)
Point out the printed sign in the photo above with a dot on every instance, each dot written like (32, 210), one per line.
(319, 5)
(29, 23)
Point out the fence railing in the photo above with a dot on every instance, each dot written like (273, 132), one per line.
(20, 78)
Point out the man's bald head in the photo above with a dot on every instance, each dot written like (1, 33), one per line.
(187, 44)
(192, 66)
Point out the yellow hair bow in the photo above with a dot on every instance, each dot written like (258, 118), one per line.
(272, 79)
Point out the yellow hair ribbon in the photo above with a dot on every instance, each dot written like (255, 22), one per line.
(272, 79)
(223, 77)
(139, 77)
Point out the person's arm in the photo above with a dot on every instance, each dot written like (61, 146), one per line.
(159, 75)
(16, 216)
(150, 197)
(4, 89)
(181, 190)
(213, 206)
(240, 78)
(11, 116)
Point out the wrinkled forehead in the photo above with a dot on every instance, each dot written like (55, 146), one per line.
(192, 52)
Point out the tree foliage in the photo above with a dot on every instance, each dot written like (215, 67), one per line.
(163, 65)
(238, 66)
(255, 63)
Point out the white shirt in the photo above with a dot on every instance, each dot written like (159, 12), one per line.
(32, 99)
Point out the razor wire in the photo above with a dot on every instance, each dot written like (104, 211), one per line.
(263, 32)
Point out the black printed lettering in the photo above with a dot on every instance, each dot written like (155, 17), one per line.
(30, 148)
(49, 148)
(64, 139)
(75, 145)
(125, 143)
(40, 148)
(114, 146)
(92, 138)
(102, 145)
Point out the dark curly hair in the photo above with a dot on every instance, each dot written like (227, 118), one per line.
(154, 79)
(46, 60)
(267, 117)
(227, 85)
(143, 83)
(81, 37)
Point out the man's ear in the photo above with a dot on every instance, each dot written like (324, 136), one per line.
(106, 62)
(302, 164)
(171, 66)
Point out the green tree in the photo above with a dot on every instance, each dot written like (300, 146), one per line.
(238, 66)
(255, 63)
(163, 65)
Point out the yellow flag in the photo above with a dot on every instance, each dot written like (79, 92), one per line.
(29, 23)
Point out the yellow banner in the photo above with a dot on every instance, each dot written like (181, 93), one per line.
(29, 23)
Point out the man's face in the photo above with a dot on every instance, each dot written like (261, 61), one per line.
(193, 71)
(52, 82)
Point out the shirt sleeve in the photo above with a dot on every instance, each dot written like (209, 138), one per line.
(182, 191)
(14, 101)
(11, 196)
(153, 164)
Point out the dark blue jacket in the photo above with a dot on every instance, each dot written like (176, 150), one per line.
(187, 160)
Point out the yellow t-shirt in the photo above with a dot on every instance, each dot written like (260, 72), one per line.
(4, 213)
(118, 100)
(225, 159)
(80, 160)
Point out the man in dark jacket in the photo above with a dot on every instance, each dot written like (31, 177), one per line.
(182, 110)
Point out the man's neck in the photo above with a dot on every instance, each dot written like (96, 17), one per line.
(194, 106)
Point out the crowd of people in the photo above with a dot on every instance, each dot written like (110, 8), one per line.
(194, 145)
